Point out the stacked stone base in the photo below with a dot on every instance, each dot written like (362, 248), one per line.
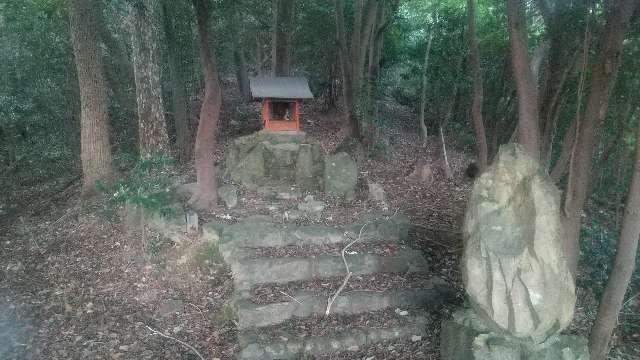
(465, 338)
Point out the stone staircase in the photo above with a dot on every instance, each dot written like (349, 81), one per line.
(285, 274)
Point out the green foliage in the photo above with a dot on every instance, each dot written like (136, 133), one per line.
(598, 248)
(149, 184)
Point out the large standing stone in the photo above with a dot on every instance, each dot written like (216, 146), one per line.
(340, 175)
(514, 270)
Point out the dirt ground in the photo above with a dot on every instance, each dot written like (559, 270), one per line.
(75, 285)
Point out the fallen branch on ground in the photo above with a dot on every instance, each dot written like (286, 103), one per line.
(332, 299)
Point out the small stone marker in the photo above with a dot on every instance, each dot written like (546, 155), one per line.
(192, 223)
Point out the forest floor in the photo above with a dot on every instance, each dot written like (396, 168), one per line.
(75, 285)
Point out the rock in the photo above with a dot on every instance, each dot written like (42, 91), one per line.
(466, 338)
(280, 160)
(170, 307)
(514, 270)
(309, 167)
(312, 208)
(193, 226)
(281, 192)
(422, 174)
(248, 170)
(376, 193)
(340, 175)
(229, 195)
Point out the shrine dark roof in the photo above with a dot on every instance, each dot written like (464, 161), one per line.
(280, 87)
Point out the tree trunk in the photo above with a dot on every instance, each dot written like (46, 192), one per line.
(525, 83)
(152, 128)
(623, 267)
(351, 123)
(95, 150)
(241, 73)
(478, 90)
(353, 59)
(206, 194)
(281, 41)
(423, 96)
(603, 78)
(184, 138)
(242, 76)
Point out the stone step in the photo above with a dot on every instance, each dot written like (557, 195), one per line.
(250, 271)
(304, 304)
(261, 231)
(296, 347)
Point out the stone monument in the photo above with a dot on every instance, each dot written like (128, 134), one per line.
(521, 291)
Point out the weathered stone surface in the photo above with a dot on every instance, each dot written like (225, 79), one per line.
(514, 270)
(247, 169)
(377, 194)
(309, 167)
(466, 338)
(395, 227)
(229, 195)
(249, 271)
(292, 347)
(280, 160)
(252, 315)
(340, 175)
(279, 192)
(311, 208)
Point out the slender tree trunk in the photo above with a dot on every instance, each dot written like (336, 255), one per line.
(184, 138)
(603, 78)
(206, 194)
(423, 96)
(94, 128)
(623, 267)
(528, 132)
(259, 56)
(561, 166)
(152, 128)
(478, 90)
(351, 123)
(242, 75)
(282, 31)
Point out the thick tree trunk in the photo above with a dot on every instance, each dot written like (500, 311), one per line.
(623, 267)
(94, 133)
(357, 93)
(528, 132)
(423, 96)
(184, 136)
(603, 78)
(206, 194)
(152, 128)
(478, 90)
(281, 41)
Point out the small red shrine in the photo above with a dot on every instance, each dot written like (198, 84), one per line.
(281, 97)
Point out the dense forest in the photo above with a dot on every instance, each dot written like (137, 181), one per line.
(107, 102)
